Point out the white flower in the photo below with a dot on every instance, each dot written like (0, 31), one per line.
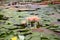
(21, 37)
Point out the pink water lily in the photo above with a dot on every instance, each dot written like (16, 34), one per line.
(29, 19)
(33, 18)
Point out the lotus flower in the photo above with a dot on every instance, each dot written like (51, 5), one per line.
(33, 18)
(30, 19)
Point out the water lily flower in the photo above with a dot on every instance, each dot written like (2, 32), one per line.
(23, 22)
(14, 38)
(29, 19)
(21, 37)
(33, 18)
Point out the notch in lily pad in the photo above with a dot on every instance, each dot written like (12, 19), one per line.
(19, 11)
(8, 23)
(58, 20)
(1, 17)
